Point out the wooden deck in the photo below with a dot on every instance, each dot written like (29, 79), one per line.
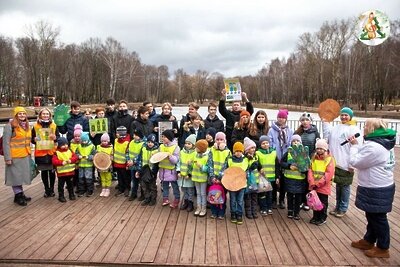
(115, 232)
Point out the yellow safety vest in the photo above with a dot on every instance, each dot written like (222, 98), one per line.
(186, 157)
(197, 174)
(64, 156)
(120, 152)
(244, 164)
(41, 153)
(85, 151)
(219, 157)
(267, 162)
(293, 174)
(134, 149)
(20, 144)
(74, 146)
(319, 167)
(255, 172)
(146, 155)
(165, 163)
(108, 150)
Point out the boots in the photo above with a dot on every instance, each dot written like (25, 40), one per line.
(362, 244)
(184, 205)
(376, 252)
(190, 207)
(61, 197)
(203, 211)
(152, 201)
(71, 194)
(174, 204)
(20, 199)
(198, 210)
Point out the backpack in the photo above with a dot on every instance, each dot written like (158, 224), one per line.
(313, 201)
(216, 194)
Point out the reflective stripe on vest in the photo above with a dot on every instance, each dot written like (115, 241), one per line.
(165, 163)
(319, 167)
(146, 155)
(296, 175)
(20, 144)
(108, 150)
(197, 175)
(134, 149)
(120, 152)
(85, 151)
(243, 165)
(37, 127)
(185, 158)
(267, 162)
(219, 158)
(64, 156)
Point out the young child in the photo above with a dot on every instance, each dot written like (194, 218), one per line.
(269, 169)
(250, 195)
(294, 180)
(219, 160)
(200, 174)
(85, 153)
(186, 158)
(106, 147)
(236, 197)
(75, 142)
(167, 168)
(210, 136)
(148, 184)
(134, 148)
(64, 161)
(320, 176)
(120, 161)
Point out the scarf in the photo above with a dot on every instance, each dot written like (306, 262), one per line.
(282, 135)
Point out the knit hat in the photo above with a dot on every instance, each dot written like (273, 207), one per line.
(169, 134)
(295, 137)
(264, 138)
(191, 139)
(18, 109)
(105, 137)
(138, 133)
(121, 131)
(77, 129)
(283, 113)
(151, 138)
(245, 113)
(202, 145)
(248, 143)
(85, 137)
(238, 147)
(321, 143)
(211, 131)
(61, 141)
(305, 116)
(220, 135)
(348, 111)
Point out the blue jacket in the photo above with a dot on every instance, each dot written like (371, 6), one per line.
(69, 125)
(375, 200)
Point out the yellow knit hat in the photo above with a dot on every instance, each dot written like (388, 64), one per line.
(18, 109)
(238, 146)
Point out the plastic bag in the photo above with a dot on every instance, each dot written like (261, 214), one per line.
(264, 185)
(313, 201)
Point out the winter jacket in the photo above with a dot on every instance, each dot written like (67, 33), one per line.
(293, 186)
(324, 182)
(163, 117)
(122, 119)
(110, 118)
(68, 127)
(215, 123)
(309, 137)
(201, 134)
(280, 146)
(259, 131)
(166, 174)
(145, 127)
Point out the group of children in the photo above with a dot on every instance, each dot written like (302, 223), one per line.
(196, 170)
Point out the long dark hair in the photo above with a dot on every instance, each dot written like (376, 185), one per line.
(256, 126)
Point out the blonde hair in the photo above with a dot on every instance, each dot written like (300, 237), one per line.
(373, 124)
(167, 104)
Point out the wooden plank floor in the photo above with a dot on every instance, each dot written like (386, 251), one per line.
(115, 232)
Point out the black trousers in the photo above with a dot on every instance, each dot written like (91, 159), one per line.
(321, 215)
(124, 179)
(250, 203)
(293, 202)
(48, 179)
(378, 229)
(61, 184)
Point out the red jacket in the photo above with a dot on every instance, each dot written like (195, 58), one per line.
(58, 162)
(324, 183)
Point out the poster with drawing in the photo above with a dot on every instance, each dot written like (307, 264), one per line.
(233, 90)
(98, 126)
(44, 142)
(162, 126)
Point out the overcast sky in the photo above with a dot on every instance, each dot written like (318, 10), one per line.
(231, 37)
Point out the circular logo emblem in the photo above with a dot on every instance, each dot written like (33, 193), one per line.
(373, 27)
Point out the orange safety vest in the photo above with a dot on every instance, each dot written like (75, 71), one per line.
(41, 153)
(20, 144)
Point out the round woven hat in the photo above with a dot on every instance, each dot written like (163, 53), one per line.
(159, 156)
(234, 179)
(329, 110)
(102, 161)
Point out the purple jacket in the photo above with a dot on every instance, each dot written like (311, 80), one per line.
(170, 175)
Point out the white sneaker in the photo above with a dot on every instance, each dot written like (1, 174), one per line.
(103, 192)
(106, 192)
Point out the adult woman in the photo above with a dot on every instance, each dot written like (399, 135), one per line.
(44, 126)
(17, 154)
(260, 126)
(241, 128)
(375, 161)
(165, 116)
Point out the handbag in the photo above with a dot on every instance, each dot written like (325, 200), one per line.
(264, 185)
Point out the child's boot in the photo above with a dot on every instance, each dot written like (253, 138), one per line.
(190, 207)
(184, 204)
(71, 194)
(106, 192)
(203, 211)
(165, 201)
(103, 191)
(61, 197)
(198, 210)
(152, 201)
(174, 204)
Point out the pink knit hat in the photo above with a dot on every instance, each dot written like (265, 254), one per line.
(248, 143)
(77, 129)
(220, 135)
(283, 113)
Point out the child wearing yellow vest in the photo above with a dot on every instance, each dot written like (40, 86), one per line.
(85, 153)
(134, 148)
(120, 161)
(200, 174)
(64, 161)
(250, 195)
(320, 175)
(105, 176)
(184, 168)
(73, 145)
(269, 164)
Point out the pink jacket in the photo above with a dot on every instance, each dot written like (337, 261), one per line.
(324, 183)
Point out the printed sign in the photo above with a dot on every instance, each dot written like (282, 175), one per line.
(98, 126)
(373, 27)
(61, 114)
(44, 142)
(162, 126)
(233, 90)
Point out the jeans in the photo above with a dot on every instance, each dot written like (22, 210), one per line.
(218, 210)
(342, 197)
(175, 189)
(188, 193)
(236, 202)
(378, 230)
(135, 184)
(201, 189)
(265, 200)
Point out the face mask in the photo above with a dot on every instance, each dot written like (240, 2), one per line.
(123, 112)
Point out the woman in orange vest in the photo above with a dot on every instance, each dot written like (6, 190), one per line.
(44, 135)
(17, 153)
